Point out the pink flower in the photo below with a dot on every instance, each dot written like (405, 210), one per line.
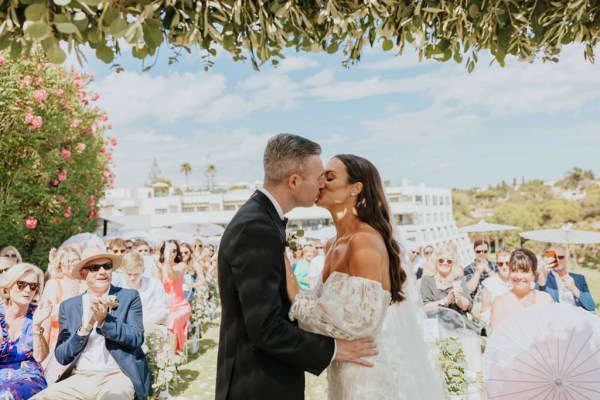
(90, 75)
(114, 141)
(68, 212)
(30, 222)
(27, 80)
(62, 176)
(39, 95)
(109, 126)
(95, 97)
(78, 84)
(35, 123)
(82, 94)
(28, 118)
(65, 153)
(60, 198)
(91, 215)
(60, 92)
(1, 61)
(75, 123)
(55, 182)
(39, 82)
(81, 146)
(102, 149)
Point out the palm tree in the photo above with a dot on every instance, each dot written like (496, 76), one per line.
(186, 168)
(210, 171)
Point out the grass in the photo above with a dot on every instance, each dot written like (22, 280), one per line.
(197, 376)
(592, 276)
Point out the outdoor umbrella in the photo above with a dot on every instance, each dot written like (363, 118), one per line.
(323, 234)
(564, 235)
(546, 351)
(164, 234)
(483, 226)
(204, 229)
(85, 239)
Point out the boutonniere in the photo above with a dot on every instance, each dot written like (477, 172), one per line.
(290, 240)
(112, 302)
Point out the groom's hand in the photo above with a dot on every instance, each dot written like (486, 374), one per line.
(354, 350)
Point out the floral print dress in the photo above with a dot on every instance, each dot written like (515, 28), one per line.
(21, 376)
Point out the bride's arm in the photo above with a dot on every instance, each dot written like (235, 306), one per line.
(348, 307)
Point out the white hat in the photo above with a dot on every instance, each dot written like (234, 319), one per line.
(95, 253)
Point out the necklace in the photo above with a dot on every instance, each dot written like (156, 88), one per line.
(442, 282)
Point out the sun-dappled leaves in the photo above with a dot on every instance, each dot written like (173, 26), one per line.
(439, 29)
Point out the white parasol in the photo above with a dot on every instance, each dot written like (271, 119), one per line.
(547, 351)
(323, 234)
(564, 235)
(204, 229)
(483, 226)
(85, 239)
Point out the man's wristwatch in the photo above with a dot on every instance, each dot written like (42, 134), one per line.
(38, 330)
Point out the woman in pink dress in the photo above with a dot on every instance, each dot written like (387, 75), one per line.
(523, 266)
(172, 271)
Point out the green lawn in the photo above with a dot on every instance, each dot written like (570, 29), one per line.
(592, 276)
(198, 374)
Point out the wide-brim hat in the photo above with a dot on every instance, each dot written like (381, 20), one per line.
(95, 253)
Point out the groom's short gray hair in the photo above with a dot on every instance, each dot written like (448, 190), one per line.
(286, 154)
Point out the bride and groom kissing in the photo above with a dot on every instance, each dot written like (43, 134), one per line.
(353, 323)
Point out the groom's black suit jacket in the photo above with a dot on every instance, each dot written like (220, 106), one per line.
(262, 354)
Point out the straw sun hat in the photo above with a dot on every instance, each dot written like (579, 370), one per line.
(95, 253)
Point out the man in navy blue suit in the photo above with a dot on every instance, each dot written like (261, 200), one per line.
(100, 337)
(564, 287)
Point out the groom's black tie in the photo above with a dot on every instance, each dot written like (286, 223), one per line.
(285, 221)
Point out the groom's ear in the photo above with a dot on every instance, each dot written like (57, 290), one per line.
(293, 181)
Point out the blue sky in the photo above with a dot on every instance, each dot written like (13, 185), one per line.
(427, 122)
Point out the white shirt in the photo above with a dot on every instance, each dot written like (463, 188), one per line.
(154, 300)
(564, 294)
(275, 203)
(316, 266)
(95, 356)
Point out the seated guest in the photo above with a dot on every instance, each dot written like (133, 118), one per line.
(302, 268)
(523, 266)
(117, 246)
(445, 286)
(101, 336)
(495, 285)
(142, 247)
(171, 273)
(23, 345)
(151, 291)
(480, 269)
(60, 287)
(128, 246)
(564, 287)
(5, 264)
(426, 263)
(12, 253)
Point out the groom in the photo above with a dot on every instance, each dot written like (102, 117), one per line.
(262, 354)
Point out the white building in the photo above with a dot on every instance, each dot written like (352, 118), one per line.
(422, 214)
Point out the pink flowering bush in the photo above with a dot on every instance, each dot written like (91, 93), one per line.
(54, 173)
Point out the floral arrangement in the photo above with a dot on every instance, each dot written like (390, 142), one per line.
(205, 308)
(56, 158)
(163, 362)
(453, 363)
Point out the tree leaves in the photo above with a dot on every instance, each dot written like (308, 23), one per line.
(441, 30)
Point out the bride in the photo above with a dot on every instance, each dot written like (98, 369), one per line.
(362, 292)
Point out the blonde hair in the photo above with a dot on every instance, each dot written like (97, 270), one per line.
(445, 249)
(505, 251)
(6, 249)
(5, 263)
(16, 272)
(56, 268)
(132, 262)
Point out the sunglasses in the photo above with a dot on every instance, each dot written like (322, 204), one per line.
(414, 252)
(481, 251)
(118, 251)
(560, 257)
(96, 267)
(427, 252)
(442, 261)
(11, 255)
(129, 247)
(33, 286)
(502, 264)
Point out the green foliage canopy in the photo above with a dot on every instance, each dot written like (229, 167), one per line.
(56, 160)
(439, 29)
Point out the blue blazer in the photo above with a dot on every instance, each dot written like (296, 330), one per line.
(585, 300)
(123, 331)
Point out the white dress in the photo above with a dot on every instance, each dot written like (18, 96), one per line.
(350, 307)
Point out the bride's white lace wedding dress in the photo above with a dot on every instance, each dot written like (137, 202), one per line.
(350, 307)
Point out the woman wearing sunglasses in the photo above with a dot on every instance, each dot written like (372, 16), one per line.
(22, 343)
(495, 285)
(445, 285)
(523, 267)
(12, 253)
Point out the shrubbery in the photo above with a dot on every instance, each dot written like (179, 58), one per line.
(54, 153)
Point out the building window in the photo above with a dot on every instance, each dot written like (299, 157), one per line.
(202, 208)
(394, 199)
(229, 207)
(188, 209)
(435, 200)
(419, 200)
(161, 211)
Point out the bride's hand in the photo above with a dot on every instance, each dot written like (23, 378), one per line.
(291, 282)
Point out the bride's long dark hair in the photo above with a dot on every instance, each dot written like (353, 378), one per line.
(373, 209)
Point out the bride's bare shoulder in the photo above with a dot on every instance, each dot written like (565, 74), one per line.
(366, 254)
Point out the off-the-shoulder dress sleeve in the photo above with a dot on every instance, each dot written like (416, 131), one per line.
(346, 307)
